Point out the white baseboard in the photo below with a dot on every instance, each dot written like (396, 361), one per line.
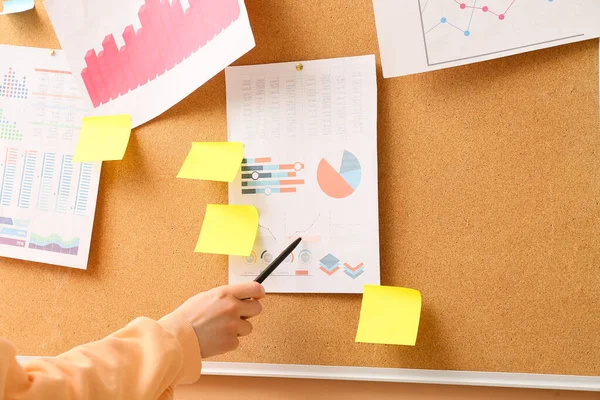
(493, 379)
(464, 378)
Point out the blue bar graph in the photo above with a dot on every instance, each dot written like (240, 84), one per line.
(13, 232)
(256, 175)
(45, 192)
(260, 160)
(262, 168)
(268, 191)
(8, 177)
(27, 178)
(262, 176)
(83, 189)
(274, 182)
(64, 184)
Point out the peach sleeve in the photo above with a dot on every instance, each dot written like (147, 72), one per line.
(144, 360)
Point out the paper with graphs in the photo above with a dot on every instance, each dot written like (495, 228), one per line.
(425, 35)
(310, 168)
(141, 57)
(47, 201)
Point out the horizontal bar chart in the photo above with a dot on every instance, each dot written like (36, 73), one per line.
(259, 176)
(268, 191)
(12, 242)
(273, 167)
(274, 183)
(13, 232)
(7, 187)
(256, 176)
(256, 160)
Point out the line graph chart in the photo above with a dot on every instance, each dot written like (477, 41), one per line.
(425, 35)
(311, 238)
(472, 8)
(459, 30)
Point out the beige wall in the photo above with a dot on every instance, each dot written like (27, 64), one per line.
(234, 388)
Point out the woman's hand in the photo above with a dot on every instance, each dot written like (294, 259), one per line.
(219, 316)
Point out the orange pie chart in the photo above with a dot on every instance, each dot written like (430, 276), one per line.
(339, 183)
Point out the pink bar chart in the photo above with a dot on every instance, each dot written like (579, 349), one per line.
(167, 36)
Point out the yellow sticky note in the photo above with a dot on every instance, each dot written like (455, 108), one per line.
(389, 315)
(213, 161)
(103, 138)
(228, 229)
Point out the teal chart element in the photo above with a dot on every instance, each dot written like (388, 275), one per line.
(15, 6)
(340, 183)
(350, 170)
(54, 243)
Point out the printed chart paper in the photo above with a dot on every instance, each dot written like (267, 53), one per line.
(310, 140)
(47, 201)
(141, 57)
(425, 35)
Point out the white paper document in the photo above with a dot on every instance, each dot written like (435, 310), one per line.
(425, 35)
(310, 136)
(47, 201)
(141, 57)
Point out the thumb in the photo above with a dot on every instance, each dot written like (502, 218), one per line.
(246, 290)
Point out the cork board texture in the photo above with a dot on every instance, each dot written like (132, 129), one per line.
(489, 193)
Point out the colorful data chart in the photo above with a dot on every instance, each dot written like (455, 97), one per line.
(13, 232)
(83, 189)
(305, 231)
(251, 259)
(297, 265)
(167, 35)
(54, 243)
(8, 129)
(27, 179)
(261, 176)
(470, 10)
(329, 264)
(267, 257)
(7, 188)
(305, 256)
(64, 185)
(45, 191)
(12, 87)
(340, 183)
(354, 271)
(56, 110)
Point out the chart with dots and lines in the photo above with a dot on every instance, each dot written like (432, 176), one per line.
(14, 87)
(423, 35)
(310, 168)
(9, 129)
(47, 201)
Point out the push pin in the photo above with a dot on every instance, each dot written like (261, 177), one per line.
(52, 52)
(299, 67)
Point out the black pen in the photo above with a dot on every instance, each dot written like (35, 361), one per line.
(263, 275)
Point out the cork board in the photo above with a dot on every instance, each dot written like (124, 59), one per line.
(489, 204)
